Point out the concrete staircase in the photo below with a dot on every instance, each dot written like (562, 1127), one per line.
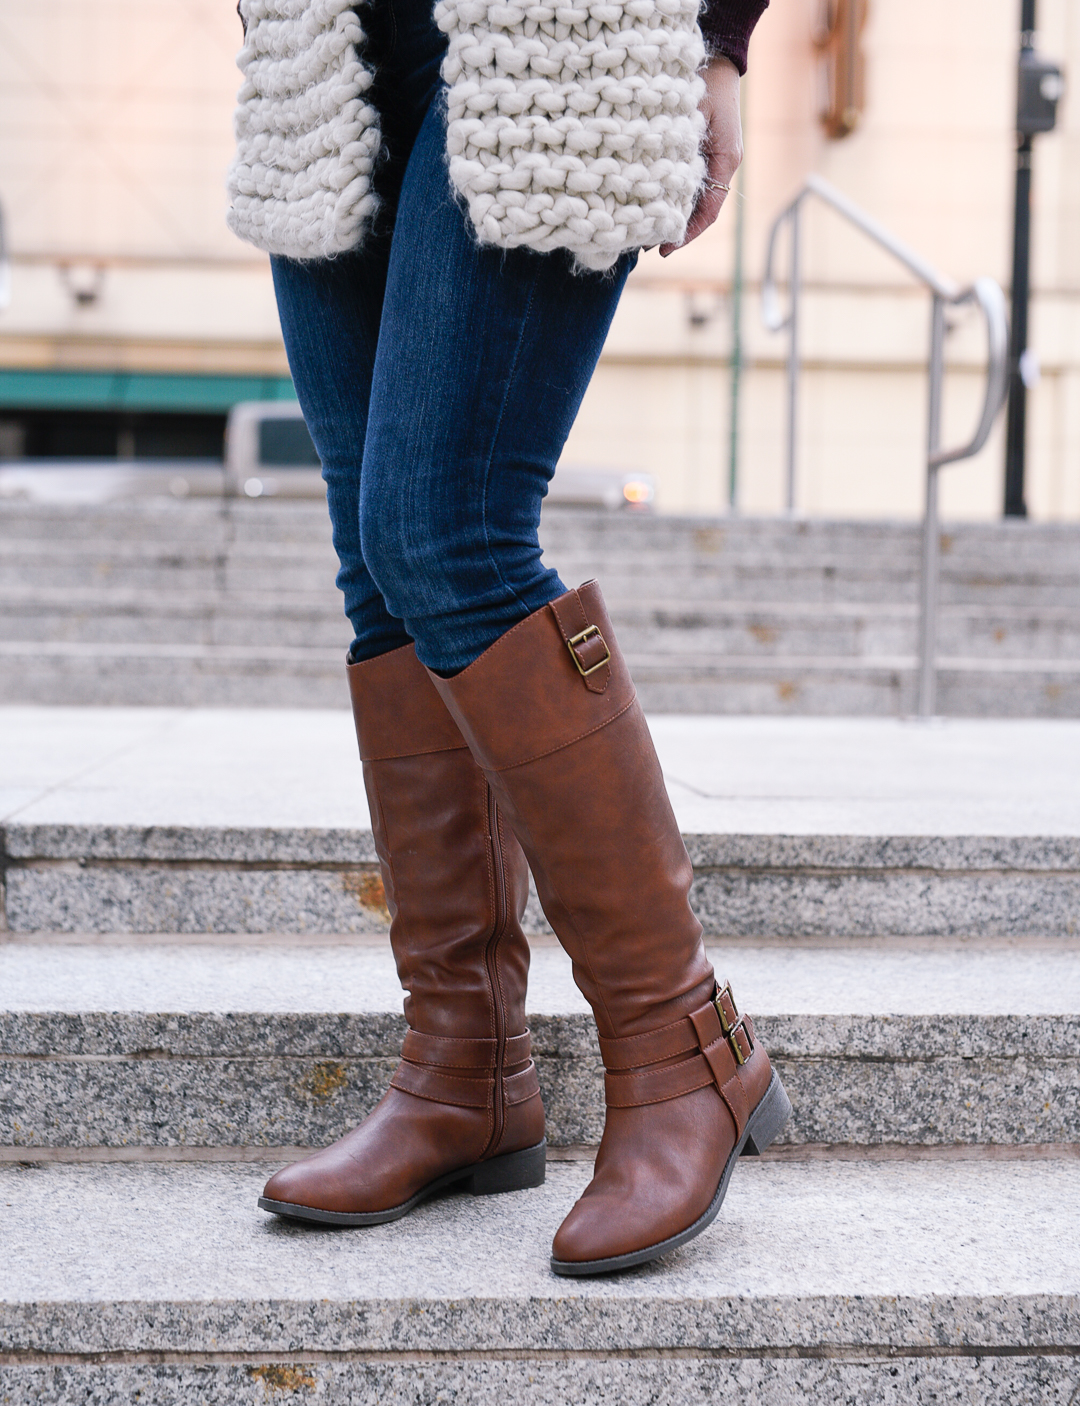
(194, 985)
(233, 604)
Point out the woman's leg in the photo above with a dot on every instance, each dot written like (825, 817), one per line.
(464, 1104)
(482, 361)
(330, 309)
(481, 365)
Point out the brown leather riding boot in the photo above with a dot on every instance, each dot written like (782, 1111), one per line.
(464, 1104)
(551, 715)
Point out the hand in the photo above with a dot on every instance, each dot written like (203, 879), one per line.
(722, 147)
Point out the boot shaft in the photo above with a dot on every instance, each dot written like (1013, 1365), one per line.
(455, 879)
(551, 712)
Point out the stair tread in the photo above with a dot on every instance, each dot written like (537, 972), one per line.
(103, 1257)
(894, 977)
(203, 771)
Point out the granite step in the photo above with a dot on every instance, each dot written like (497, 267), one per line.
(249, 820)
(245, 1044)
(233, 605)
(707, 631)
(305, 523)
(836, 1282)
(240, 675)
(276, 569)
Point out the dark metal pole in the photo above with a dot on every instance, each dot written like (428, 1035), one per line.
(1016, 425)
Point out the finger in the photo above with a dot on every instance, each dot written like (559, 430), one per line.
(708, 206)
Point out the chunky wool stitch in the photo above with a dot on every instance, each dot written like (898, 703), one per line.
(572, 124)
(307, 139)
(575, 125)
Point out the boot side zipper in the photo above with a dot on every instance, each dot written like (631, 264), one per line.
(491, 961)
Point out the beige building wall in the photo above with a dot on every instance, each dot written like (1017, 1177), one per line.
(115, 120)
(933, 160)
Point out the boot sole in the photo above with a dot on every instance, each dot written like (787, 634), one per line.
(514, 1171)
(763, 1127)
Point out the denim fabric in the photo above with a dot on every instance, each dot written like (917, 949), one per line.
(439, 381)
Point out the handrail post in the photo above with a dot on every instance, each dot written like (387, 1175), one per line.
(945, 292)
(793, 357)
(931, 541)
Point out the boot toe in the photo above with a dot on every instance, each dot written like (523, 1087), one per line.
(298, 1185)
(593, 1230)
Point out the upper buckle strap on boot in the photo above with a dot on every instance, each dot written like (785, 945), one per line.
(717, 1041)
(588, 648)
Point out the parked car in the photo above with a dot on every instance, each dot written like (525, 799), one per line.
(269, 454)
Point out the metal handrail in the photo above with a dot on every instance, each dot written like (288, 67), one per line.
(944, 293)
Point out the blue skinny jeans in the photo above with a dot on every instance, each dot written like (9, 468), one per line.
(439, 381)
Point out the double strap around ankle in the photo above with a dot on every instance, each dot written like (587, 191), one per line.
(462, 1071)
(710, 1045)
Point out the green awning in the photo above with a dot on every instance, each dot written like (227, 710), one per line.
(135, 390)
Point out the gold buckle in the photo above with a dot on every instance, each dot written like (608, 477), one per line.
(587, 634)
(726, 1026)
(740, 1058)
(731, 1028)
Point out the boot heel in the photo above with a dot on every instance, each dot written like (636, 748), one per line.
(516, 1171)
(768, 1119)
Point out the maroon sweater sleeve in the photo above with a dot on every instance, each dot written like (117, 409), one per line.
(726, 26)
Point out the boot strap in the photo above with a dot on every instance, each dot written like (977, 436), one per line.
(449, 1052)
(588, 648)
(717, 1041)
(423, 1081)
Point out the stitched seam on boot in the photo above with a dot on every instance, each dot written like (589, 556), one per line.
(538, 756)
(492, 942)
(424, 752)
(492, 647)
(498, 837)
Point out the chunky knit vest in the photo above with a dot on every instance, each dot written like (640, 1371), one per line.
(572, 124)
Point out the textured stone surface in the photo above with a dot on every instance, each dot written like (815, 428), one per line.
(861, 983)
(744, 885)
(217, 605)
(147, 898)
(267, 1100)
(949, 1256)
(206, 1045)
(161, 820)
(887, 902)
(295, 770)
(742, 901)
(603, 1380)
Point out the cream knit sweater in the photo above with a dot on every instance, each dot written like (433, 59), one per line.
(571, 125)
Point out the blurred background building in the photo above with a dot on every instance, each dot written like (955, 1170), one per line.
(136, 319)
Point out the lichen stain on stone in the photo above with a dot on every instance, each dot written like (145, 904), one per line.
(326, 1079)
(280, 1378)
(367, 888)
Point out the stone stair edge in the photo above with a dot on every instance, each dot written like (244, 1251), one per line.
(197, 602)
(377, 1035)
(263, 657)
(655, 554)
(235, 1289)
(240, 511)
(29, 841)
